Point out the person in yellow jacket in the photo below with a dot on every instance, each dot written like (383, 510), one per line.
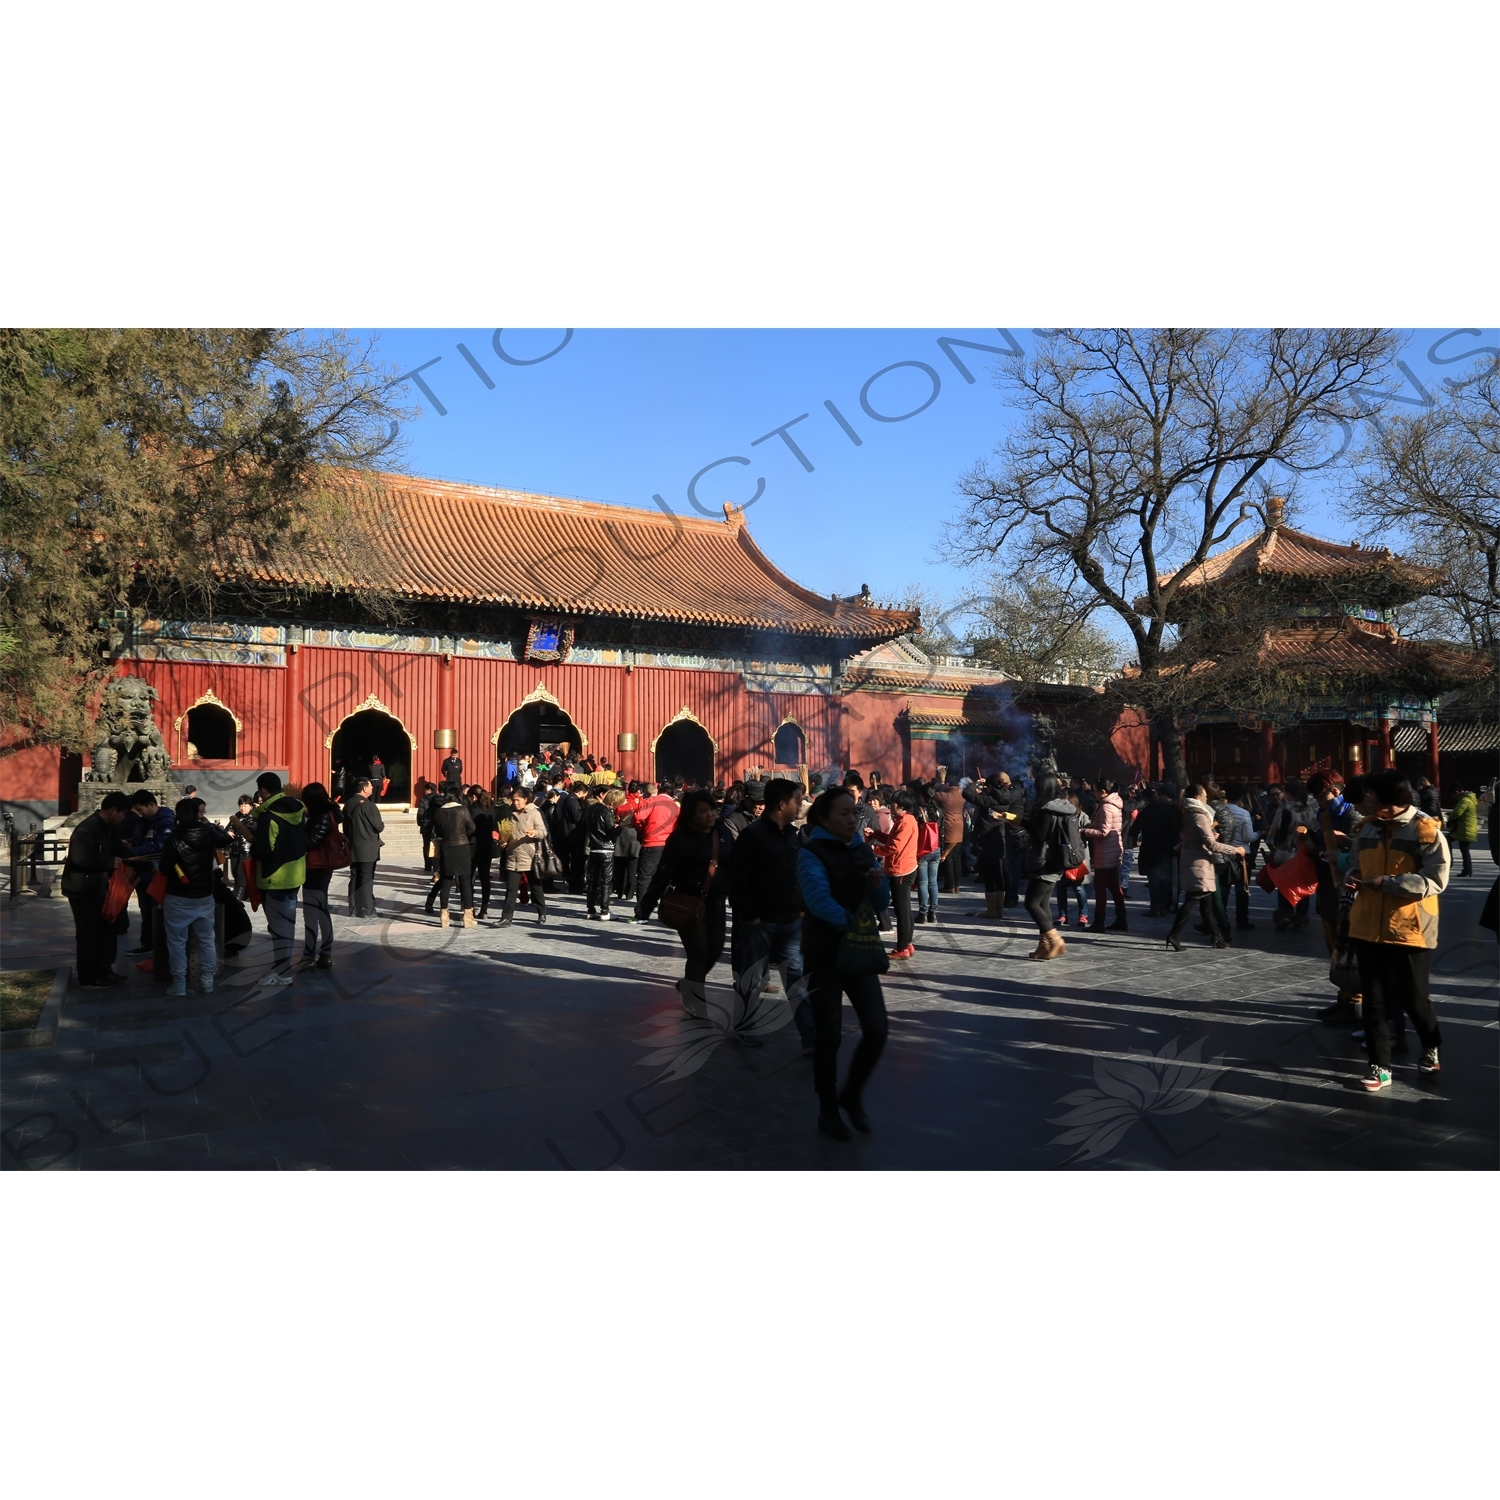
(1399, 867)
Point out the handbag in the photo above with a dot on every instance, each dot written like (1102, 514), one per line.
(681, 909)
(861, 950)
(1078, 874)
(334, 853)
(547, 866)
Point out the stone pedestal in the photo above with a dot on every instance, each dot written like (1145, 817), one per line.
(92, 793)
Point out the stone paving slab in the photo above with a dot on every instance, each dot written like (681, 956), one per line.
(563, 1047)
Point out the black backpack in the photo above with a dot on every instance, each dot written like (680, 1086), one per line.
(1066, 834)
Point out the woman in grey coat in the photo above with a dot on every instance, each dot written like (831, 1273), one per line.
(1196, 867)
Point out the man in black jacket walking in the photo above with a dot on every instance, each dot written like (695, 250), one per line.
(570, 843)
(363, 826)
(96, 849)
(767, 903)
(736, 818)
(600, 831)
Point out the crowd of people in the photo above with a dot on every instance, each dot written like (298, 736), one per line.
(801, 881)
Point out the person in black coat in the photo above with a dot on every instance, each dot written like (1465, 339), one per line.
(453, 827)
(599, 832)
(991, 805)
(734, 819)
(323, 819)
(363, 825)
(426, 825)
(767, 902)
(486, 844)
(569, 840)
(689, 863)
(95, 851)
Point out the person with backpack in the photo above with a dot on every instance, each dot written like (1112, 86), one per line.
(1073, 884)
(1197, 874)
(278, 865)
(327, 851)
(189, 863)
(1055, 832)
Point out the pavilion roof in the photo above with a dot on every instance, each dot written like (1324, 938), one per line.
(1348, 650)
(1375, 574)
(468, 544)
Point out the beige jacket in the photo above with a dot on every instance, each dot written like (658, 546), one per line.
(521, 852)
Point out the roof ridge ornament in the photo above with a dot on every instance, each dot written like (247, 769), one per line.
(1275, 511)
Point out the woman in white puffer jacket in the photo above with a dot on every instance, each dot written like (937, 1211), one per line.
(1105, 834)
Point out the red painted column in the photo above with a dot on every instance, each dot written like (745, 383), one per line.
(627, 736)
(445, 734)
(289, 715)
(1387, 754)
(1267, 755)
(1432, 753)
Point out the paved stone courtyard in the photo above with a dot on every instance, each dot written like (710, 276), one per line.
(562, 1047)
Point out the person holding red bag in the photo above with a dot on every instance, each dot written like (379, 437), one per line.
(95, 852)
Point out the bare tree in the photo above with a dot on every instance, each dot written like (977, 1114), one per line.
(1033, 629)
(1436, 476)
(1140, 452)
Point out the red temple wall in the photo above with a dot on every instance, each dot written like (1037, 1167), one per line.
(325, 685)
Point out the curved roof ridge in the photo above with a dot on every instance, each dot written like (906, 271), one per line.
(510, 549)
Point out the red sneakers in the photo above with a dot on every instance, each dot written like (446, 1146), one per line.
(909, 951)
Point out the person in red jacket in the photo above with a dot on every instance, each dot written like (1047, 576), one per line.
(654, 819)
(898, 853)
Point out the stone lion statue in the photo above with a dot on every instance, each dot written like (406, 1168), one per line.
(129, 746)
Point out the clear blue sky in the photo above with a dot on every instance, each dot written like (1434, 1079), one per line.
(621, 415)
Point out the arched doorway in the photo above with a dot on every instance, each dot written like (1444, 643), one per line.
(684, 748)
(535, 729)
(208, 731)
(791, 745)
(366, 734)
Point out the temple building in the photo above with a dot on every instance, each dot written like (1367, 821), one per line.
(666, 645)
(1326, 680)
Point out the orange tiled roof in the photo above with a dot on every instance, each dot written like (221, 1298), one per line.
(1280, 552)
(468, 544)
(1353, 650)
(1362, 648)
